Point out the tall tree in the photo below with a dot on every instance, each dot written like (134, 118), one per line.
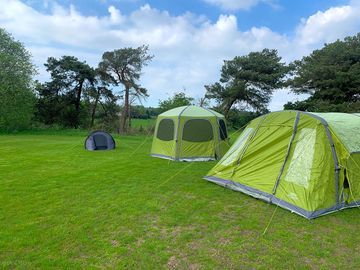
(123, 67)
(248, 80)
(101, 95)
(331, 76)
(16, 72)
(62, 95)
(177, 100)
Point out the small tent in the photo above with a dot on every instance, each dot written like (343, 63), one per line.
(190, 133)
(99, 140)
(308, 163)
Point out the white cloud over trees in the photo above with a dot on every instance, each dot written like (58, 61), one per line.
(189, 49)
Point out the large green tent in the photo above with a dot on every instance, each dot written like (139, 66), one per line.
(190, 133)
(308, 163)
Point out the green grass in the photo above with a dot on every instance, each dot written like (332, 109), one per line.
(62, 207)
(136, 123)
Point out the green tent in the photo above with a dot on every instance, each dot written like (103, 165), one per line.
(190, 133)
(308, 163)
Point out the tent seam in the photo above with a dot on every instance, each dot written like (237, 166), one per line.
(297, 119)
(177, 132)
(217, 121)
(334, 154)
(250, 140)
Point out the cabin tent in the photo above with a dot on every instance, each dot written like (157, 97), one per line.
(99, 140)
(190, 133)
(308, 163)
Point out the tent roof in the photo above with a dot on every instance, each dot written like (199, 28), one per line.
(346, 126)
(193, 111)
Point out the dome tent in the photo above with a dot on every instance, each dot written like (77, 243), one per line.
(308, 163)
(99, 140)
(190, 133)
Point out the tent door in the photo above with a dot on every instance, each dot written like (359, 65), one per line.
(197, 140)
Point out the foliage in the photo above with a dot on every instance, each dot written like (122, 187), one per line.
(60, 99)
(331, 76)
(177, 100)
(123, 67)
(314, 105)
(16, 72)
(102, 104)
(141, 112)
(248, 81)
(202, 102)
(238, 119)
(66, 208)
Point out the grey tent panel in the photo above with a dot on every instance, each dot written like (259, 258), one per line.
(99, 140)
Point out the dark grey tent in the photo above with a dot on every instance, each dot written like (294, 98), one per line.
(99, 140)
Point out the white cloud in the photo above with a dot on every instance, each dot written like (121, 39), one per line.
(189, 49)
(329, 25)
(115, 15)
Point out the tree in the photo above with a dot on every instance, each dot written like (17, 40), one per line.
(103, 107)
(123, 67)
(60, 99)
(203, 102)
(179, 99)
(248, 80)
(103, 96)
(316, 105)
(16, 72)
(331, 76)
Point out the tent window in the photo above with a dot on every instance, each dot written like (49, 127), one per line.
(165, 131)
(100, 141)
(299, 171)
(197, 130)
(222, 130)
(233, 153)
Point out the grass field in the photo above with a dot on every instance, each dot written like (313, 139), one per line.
(62, 207)
(136, 123)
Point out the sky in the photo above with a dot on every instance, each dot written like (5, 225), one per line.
(189, 39)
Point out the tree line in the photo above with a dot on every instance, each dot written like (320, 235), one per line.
(80, 96)
(77, 93)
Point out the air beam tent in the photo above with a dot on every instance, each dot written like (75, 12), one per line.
(99, 140)
(308, 163)
(190, 133)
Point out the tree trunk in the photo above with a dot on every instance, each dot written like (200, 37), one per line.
(94, 108)
(124, 114)
(77, 103)
(227, 106)
(129, 117)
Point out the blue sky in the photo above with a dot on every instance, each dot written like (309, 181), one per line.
(190, 39)
(280, 16)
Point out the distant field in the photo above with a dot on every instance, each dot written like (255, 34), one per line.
(62, 207)
(145, 123)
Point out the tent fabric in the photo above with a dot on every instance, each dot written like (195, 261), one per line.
(190, 133)
(99, 140)
(308, 163)
(345, 126)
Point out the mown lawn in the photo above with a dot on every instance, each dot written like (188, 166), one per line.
(62, 207)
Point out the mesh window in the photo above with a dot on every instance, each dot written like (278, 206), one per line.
(222, 130)
(234, 152)
(100, 141)
(299, 171)
(165, 131)
(198, 130)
